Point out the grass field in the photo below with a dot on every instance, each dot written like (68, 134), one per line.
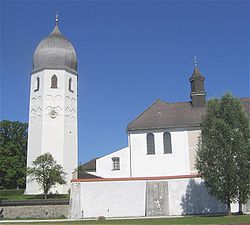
(245, 219)
(18, 195)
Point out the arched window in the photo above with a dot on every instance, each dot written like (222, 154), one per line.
(37, 84)
(54, 81)
(167, 143)
(70, 85)
(150, 144)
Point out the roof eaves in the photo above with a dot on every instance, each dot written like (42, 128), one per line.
(165, 127)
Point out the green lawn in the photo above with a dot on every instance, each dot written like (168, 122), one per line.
(164, 221)
(18, 195)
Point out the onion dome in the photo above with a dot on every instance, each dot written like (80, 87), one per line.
(55, 52)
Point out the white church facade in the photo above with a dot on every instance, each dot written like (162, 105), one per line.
(53, 106)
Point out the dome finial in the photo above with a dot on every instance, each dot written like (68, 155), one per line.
(57, 17)
(195, 61)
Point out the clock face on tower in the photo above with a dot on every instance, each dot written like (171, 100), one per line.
(53, 113)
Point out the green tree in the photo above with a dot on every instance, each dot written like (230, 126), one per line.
(223, 156)
(13, 154)
(46, 172)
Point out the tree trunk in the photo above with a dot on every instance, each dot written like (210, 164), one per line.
(229, 207)
(45, 195)
(240, 208)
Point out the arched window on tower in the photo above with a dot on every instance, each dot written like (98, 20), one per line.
(70, 85)
(37, 85)
(54, 81)
(167, 143)
(150, 144)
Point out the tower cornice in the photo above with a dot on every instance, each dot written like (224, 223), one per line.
(54, 68)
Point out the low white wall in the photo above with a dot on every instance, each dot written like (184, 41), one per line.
(190, 197)
(141, 197)
(113, 199)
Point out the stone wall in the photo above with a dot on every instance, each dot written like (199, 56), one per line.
(157, 203)
(34, 211)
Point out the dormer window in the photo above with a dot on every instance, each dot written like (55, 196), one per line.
(70, 85)
(37, 85)
(150, 144)
(54, 81)
(116, 163)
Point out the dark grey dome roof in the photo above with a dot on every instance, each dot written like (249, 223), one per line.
(55, 52)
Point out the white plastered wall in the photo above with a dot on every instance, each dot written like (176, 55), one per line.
(104, 165)
(127, 198)
(58, 135)
(189, 196)
(193, 138)
(113, 199)
(35, 127)
(159, 164)
(70, 150)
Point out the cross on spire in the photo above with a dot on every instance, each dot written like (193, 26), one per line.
(195, 61)
(57, 17)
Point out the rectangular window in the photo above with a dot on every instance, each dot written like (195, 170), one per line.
(116, 163)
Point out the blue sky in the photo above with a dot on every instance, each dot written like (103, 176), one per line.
(130, 53)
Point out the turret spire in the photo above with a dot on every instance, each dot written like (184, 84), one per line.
(198, 94)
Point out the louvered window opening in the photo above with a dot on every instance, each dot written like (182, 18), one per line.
(37, 84)
(54, 81)
(70, 85)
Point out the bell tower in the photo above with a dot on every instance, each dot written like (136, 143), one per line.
(198, 94)
(53, 106)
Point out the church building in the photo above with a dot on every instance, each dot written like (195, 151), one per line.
(53, 106)
(155, 174)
